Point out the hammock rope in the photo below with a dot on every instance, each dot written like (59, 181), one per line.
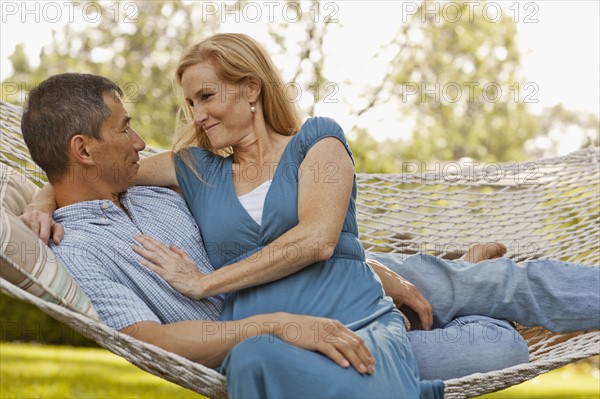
(548, 208)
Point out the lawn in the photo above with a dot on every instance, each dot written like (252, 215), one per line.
(575, 381)
(37, 371)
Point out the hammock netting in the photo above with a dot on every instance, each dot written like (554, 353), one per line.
(548, 208)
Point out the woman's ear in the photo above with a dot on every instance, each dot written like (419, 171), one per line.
(78, 149)
(253, 89)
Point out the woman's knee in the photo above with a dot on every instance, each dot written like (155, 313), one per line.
(254, 356)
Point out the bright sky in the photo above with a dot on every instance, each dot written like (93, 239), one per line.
(558, 39)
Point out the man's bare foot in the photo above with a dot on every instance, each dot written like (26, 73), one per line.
(484, 251)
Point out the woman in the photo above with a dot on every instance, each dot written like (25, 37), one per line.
(278, 221)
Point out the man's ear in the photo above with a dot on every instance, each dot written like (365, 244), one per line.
(78, 148)
(253, 89)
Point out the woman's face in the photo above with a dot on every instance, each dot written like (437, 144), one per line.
(220, 108)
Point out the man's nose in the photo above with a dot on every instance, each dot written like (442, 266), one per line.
(138, 142)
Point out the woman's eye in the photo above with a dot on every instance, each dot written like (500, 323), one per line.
(205, 97)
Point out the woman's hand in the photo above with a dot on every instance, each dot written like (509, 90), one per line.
(172, 264)
(41, 223)
(327, 336)
(38, 216)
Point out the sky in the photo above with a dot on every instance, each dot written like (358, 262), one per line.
(557, 38)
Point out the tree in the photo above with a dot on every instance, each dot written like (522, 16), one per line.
(557, 122)
(457, 74)
(139, 50)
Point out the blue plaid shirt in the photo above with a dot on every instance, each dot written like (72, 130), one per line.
(96, 249)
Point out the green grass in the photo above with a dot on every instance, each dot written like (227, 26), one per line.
(574, 381)
(38, 371)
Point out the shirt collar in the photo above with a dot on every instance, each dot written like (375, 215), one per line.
(96, 211)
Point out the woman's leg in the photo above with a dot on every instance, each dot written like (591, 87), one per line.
(559, 296)
(267, 367)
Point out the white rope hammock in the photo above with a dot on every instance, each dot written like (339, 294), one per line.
(548, 208)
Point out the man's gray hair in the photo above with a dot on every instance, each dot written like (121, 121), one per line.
(59, 108)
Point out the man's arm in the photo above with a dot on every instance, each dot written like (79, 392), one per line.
(403, 293)
(208, 342)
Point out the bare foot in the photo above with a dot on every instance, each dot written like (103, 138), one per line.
(483, 251)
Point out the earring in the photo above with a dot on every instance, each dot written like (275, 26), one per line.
(252, 109)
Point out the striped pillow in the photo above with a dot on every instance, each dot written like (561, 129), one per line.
(25, 260)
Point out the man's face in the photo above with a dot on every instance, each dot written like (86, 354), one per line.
(116, 156)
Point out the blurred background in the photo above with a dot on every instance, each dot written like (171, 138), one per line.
(409, 81)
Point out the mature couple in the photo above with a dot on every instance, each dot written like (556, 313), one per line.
(217, 285)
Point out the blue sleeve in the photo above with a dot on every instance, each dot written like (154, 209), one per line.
(316, 129)
(117, 305)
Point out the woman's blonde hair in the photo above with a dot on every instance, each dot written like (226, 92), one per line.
(236, 56)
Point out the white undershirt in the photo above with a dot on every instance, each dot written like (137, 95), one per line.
(254, 201)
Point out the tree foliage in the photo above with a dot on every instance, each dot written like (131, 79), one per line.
(139, 51)
(456, 76)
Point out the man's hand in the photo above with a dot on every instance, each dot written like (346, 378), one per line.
(39, 220)
(326, 336)
(404, 293)
(172, 264)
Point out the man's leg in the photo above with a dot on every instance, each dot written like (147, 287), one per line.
(467, 345)
(559, 296)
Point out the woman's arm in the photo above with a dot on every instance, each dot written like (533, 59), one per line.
(324, 189)
(157, 170)
(37, 215)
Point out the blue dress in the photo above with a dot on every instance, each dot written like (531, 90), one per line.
(342, 288)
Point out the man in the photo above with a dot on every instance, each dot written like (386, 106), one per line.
(78, 131)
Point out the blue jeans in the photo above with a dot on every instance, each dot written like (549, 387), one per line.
(559, 296)
(467, 345)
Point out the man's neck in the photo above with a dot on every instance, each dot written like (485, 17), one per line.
(69, 193)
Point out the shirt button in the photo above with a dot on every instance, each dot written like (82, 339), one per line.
(105, 205)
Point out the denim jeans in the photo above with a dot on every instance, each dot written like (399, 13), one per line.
(559, 296)
(466, 345)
